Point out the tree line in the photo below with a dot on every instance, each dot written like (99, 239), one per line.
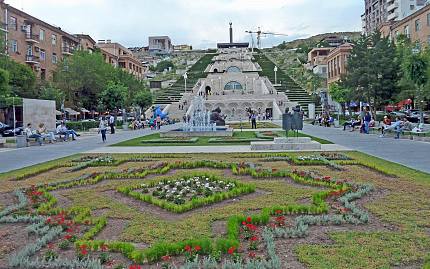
(381, 71)
(81, 80)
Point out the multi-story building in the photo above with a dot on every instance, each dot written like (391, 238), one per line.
(400, 9)
(182, 48)
(378, 12)
(86, 42)
(416, 27)
(337, 61)
(120, 56)
(160, 44)
(35, 42)
(317, 61)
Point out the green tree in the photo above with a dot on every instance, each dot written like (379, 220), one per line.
(49, 92)
(114, 96)
(340, 95)
(164, 65)
(142, 99)
(4, 83)
(372, 71)
(22, 80)
(83, 77)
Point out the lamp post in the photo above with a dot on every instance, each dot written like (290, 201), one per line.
(185, 79)
(276, 70)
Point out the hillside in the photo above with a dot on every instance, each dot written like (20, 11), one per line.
(313, 40)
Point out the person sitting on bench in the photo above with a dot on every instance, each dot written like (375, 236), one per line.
(62, 130)
(32, 134)
(351, 123)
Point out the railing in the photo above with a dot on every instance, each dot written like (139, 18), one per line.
(29, 36)
(70, 50)
(31, 58)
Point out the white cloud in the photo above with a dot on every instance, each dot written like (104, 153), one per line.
(201, 23)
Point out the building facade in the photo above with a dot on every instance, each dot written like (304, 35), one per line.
(86, 42)
(121, 57)
(416, 27)
(34, 42)
(160, 44)
(378, 12)
(337, 61)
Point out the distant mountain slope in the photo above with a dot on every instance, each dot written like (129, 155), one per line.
(314, 40)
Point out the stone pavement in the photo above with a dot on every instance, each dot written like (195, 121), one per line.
(414, 154)
(11, 159)
(199, 149)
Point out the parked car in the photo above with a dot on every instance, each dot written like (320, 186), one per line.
(6, 130)
(397, 114)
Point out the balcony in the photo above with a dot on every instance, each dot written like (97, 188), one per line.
(393, 6)
(31, 38)
(393, 16)
(32, 59)
(67, 50)
(4, 27)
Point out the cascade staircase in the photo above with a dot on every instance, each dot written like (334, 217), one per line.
(286, 84)
(175, 92)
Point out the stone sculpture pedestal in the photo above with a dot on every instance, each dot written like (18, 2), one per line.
(287, 143)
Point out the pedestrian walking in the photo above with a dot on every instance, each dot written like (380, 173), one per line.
(103, 129)
(112, 124)
(254, 121)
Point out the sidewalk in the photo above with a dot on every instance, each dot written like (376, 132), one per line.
(414, 154)
(11, 159)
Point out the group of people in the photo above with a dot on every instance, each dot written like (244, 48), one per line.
(104, 123)
(364, 121)
(323, 120)
(41, 133)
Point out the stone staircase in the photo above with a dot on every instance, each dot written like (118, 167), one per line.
(175, 92)
(286, 84)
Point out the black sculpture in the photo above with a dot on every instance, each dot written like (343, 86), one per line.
(292, 121)
(217, 118)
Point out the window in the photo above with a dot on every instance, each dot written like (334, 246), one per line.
(13, 23)
(418, 25)
(428, 19)
(411, 7)
(54, 58)
(406, 31)
(43, 74)
(42, 55)
(14, 45)
(233, 85)
(54, 40)
(41, 35)
(233, 69)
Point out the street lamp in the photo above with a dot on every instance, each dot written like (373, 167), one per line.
(276, 70)
(185, 79)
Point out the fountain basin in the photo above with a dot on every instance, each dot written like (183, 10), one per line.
(221, 131)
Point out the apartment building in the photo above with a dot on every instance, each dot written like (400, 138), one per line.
(416, 27)
(317, 61)
(86, 42)
(35, 42)
(378, 12)
(121, 57)
(337, 61)
(160, 44)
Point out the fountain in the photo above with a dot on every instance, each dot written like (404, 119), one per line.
(199, 123)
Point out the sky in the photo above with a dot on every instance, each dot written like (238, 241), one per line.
(200, 23)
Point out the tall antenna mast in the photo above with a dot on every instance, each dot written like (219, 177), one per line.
(231, 33)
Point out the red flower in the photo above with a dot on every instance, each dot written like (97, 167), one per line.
(251, 255)
(231, 250)
(187, 248)
(243, 223)
(248, 219)
(87, 222)
(254, 238)
(278, 212)
(251, 227)
(165, 258)
(68, 237)
(197, 248)
(134, 266)
(50, 245)
(84, 252)
(48, 220)
(327, 178)
(104, 247)
(83, 246)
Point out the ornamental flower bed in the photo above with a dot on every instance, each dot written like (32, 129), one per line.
(187, 193)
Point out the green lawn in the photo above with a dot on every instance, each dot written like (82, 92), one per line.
(204, 141)
(247, 125)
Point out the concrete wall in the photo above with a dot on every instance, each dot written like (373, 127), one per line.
(39, 111)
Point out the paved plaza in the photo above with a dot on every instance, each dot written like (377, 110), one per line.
(413, 154)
